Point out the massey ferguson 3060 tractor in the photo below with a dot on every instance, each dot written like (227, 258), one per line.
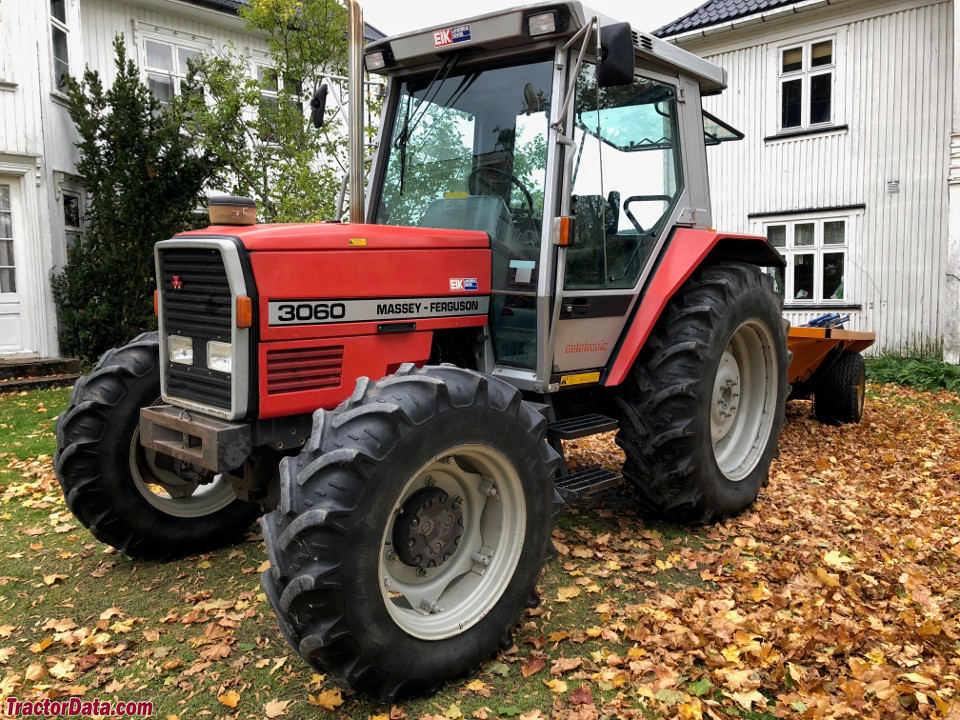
(534, 262)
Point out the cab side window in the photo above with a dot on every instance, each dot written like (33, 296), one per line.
(626, 178)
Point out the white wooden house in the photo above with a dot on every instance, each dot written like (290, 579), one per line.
(41, 198)
(851, 160)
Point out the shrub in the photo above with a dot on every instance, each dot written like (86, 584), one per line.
(922, 370)
(144, 181)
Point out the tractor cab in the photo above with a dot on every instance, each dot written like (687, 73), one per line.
(508, 122)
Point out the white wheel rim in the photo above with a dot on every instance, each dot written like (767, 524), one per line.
(440, 602)
(171, 494)
(743, 402)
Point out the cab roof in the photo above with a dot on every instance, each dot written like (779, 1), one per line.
(505, 29)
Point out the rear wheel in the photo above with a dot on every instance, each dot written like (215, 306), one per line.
(703, 407)
(839, 396)
(412, 529)
(141, 502)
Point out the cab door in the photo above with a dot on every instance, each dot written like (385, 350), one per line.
(627, 183)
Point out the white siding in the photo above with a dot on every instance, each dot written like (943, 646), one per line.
(36, 134)
(894, 90)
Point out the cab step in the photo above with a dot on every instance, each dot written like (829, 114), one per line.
(582, 426)
(587, 483)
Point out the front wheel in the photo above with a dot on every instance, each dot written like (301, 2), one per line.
(141, 502)
(703, 407)
(412, 529)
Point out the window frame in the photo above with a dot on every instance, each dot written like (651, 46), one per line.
(64, 27)
(805, 74)
(72, 234)
(176, 40)
(818, 250)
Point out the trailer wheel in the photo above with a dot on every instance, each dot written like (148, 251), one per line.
(840, 394)
(703, 407)
(412, 529)
(131, 498)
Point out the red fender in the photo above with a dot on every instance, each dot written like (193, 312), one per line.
(686, 252)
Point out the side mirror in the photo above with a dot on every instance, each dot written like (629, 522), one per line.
(615, 64)
(318, 106)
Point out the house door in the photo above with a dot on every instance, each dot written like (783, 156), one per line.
(16, 307)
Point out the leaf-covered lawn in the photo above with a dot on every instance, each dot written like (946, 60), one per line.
(837, 595)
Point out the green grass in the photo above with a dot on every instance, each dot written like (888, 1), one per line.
(54, 571)
(27, 421)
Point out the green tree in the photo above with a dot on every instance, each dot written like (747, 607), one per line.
(254, 119)
(144, 181)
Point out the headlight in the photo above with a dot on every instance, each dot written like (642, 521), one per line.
(220, 356)
(180, 349)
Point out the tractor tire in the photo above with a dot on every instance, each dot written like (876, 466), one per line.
(840, 394)
(114, 486)
(412, 529)
(704, 404)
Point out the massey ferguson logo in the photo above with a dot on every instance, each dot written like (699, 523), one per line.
(177, 282)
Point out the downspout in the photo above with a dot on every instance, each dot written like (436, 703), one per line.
(355, 103)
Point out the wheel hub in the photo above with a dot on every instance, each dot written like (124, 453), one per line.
(429, 528)
(726, 396)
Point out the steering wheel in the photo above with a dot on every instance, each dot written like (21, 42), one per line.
(476, 178)
(642, 198)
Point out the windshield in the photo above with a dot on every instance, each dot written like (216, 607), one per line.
(468, 150)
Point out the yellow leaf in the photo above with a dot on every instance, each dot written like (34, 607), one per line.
(731, 653)
(594, 631)
(276, 708)
(837, 561)
(53, 579)
(558, 636)
(565, 594)
(747, 699)
(230, 698)
(557, 686)
(205, 565)
(381, 716)
(454, 712)
(327, 699)
(827, 579)
(42, 645)
(476, 685)
(918, 679)
(35, 672)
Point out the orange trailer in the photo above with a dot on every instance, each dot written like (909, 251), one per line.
(828, 366)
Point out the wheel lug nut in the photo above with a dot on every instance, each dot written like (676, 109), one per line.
(421, 572)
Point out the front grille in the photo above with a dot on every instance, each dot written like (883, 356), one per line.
(196, 303)
(303, 369)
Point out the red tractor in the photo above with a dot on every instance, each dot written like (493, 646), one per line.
(534, 263)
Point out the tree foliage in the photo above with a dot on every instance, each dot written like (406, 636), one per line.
(144, 180)
(254, 120)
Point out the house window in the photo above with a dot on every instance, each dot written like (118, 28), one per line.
(816, 254)
(72, 217)
(806, 77)
(165, 63)
(269, 81)
(8, 275)
(58, 38)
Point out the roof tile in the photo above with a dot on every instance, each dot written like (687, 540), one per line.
(716, 12)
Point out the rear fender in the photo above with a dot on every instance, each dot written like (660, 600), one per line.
(688, 250)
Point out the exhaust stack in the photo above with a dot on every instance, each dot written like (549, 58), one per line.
(355, 102)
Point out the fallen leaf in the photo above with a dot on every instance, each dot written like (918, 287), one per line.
(229, 698)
